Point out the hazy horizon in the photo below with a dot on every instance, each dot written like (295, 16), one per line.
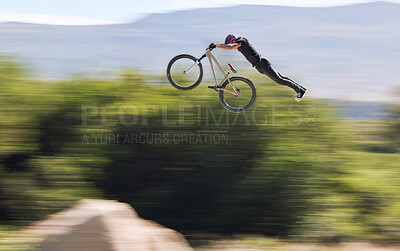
(337, 52)
(122, 11)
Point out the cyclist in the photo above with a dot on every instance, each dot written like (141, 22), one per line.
(261, 64)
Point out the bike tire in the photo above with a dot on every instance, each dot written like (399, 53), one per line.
(241, 108)
(175, 82)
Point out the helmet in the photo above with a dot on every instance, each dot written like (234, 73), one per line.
(229, 38)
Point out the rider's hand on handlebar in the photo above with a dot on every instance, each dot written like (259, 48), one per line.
(211, 46)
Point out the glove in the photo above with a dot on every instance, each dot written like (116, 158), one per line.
(212, 46)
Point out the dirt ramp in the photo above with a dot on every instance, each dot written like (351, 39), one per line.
(103, 225)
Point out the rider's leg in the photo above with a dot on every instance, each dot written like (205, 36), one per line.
(265, 68)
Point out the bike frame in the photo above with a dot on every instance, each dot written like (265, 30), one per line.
(212, 58)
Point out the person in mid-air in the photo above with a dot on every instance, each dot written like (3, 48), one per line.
(261, 64)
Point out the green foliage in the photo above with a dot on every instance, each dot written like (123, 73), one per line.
(281, 168)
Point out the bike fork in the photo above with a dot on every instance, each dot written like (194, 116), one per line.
(191, 67)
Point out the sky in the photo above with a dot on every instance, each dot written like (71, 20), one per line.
(88, 12)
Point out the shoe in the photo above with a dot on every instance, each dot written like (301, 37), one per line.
(301, 94)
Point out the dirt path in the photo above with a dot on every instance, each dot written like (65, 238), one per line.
(102, 225)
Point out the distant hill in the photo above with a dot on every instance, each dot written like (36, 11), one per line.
(348, 52)
(361, 110)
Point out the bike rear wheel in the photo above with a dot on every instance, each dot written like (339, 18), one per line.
(179, 77)
(241, 99)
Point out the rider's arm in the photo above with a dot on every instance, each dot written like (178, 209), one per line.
(228, 46)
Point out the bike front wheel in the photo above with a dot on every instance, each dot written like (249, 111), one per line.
(238, 95)
(184, 72)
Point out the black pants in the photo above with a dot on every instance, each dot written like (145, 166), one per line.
(264, 67)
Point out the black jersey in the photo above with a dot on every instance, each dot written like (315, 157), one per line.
(248, 51)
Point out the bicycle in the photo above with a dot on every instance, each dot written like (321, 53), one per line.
(185, 72)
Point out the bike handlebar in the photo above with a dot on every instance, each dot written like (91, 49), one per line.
(211, 47)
